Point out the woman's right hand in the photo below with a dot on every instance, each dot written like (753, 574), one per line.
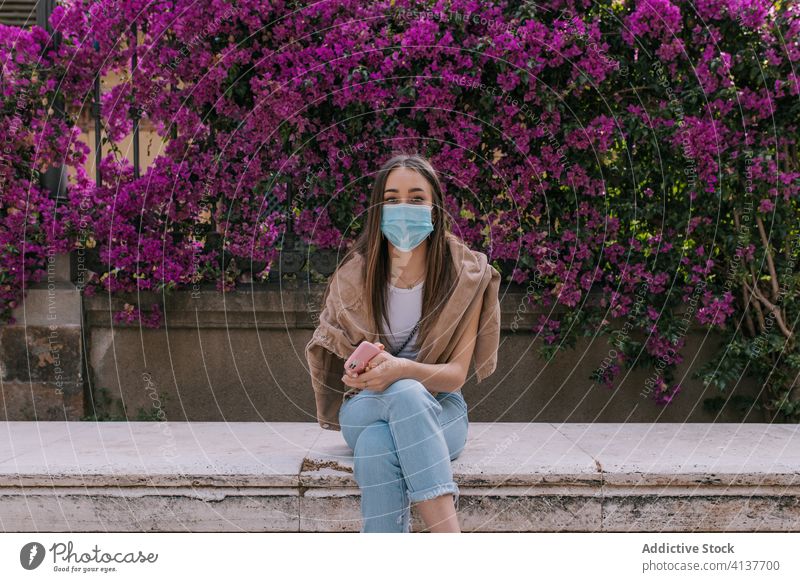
(381, 372)
(356, 389)
(371, 364)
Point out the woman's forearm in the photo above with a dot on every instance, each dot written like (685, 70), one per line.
(435, 377)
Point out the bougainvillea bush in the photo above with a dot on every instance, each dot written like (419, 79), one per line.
(630, 162)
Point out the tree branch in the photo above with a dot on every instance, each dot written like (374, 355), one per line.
(748, 318)
(770, 264)
(756, 304)
(774, 309)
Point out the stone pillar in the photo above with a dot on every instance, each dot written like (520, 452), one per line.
(41, 354)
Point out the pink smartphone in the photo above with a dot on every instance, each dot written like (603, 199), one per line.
(359, 359)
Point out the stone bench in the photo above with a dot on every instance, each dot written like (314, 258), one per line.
(285, 476)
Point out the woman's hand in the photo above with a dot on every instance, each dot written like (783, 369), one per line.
(381, 371)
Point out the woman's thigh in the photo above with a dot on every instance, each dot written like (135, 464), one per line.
(367, 407)
(454, 420)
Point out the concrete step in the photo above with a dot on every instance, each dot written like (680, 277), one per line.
(286, 476)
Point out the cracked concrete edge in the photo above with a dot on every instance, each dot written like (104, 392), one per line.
(601, 494)
(304, 462)
(598, 466)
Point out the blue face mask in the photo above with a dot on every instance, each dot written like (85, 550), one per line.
(406, 225)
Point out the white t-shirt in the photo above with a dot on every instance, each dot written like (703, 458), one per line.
(404, 307)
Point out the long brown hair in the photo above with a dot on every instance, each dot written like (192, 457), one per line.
(440, 274)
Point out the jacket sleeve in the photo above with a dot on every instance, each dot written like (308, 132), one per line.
(488, 341)
(330, 333)
(326, 353)
(324, 380)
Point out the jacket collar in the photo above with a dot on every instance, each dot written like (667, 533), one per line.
(472, 276)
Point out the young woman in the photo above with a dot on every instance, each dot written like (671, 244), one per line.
(425, 296)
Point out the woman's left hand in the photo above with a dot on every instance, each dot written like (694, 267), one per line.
(381, 371)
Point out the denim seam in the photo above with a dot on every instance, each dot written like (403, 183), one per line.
(462, 404)
(462, 418)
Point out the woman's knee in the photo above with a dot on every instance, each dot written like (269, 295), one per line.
(405, 384)
(410, 390)
(374, 441)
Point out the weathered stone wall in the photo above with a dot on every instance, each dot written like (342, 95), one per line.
(41, 354)
(239, 356)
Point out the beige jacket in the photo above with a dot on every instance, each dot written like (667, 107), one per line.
(343, 325)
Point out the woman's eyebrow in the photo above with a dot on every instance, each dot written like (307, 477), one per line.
(396, 191)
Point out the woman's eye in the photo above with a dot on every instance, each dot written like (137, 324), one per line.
(416, 200)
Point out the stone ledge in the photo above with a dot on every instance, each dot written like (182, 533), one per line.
(284, 476)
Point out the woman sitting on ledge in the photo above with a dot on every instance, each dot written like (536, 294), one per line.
(435, 302)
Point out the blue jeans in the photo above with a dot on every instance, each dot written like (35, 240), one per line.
(403, 440)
